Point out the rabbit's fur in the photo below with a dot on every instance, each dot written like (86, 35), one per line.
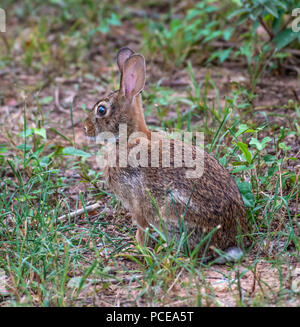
(205, 203)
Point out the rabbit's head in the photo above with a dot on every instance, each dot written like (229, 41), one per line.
(123, 106)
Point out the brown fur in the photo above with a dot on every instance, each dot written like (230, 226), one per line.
(214, 199)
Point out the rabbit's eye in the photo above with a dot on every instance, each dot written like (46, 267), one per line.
(101, 110)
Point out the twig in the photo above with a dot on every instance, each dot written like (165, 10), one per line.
(3, 37)
(90, 208)
(281, 220)
(4, 72)
(296, 96)
(174, 282)
(221, 44)
(111, 280)
(293, 51)
(57, 104)
(297, 169)
(266, 107)
(263, 24)
(149, 14)
(292, 68)
(280, 30)
(239, 286)
(254, 281)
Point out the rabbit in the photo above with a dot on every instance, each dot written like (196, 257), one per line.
(163, 196)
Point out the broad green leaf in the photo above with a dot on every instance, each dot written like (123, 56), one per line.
(243, 128)
(40, 131)
(3, 148)
(224, 55)
(39, 150)
(269, 159)
(75, 152)
(284, 38)
(270, 8)
(242, 168)
(46, 100)
(44, 161)
(28, 132)
(244, 148)
(238, 12)
(255, 13)
(247, 195)
(114, 20)
(222, 161)
(24, 147)
(284, 147)
(103, 27)
(212, 35)
(260, 145)
(227, 33)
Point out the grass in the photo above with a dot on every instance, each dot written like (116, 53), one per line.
(48, 171)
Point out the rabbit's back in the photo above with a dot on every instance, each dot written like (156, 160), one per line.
(205, 203)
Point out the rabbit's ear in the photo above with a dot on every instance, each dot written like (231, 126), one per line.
(122, 55)
(133, 77)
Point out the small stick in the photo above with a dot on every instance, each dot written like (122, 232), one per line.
(117, 280)
(239, 285)
(296, 95)
(266, 28)
(90, 208)
(281, 220)
(297, 169)
(4, 39)
(174, 282)
(57, 103)
(254, 280)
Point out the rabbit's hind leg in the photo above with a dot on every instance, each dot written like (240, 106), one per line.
(140, 233)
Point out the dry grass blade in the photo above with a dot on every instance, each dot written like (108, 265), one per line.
(78, 212)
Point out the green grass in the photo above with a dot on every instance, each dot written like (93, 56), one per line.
(43, 256)
(92, 259)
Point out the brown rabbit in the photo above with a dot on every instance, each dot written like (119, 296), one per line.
(163, 196)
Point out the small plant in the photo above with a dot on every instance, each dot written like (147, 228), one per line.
(267, 179)
(256, 63)
(176, 41)
(274, 16)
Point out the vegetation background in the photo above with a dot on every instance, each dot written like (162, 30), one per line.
(227, 68)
